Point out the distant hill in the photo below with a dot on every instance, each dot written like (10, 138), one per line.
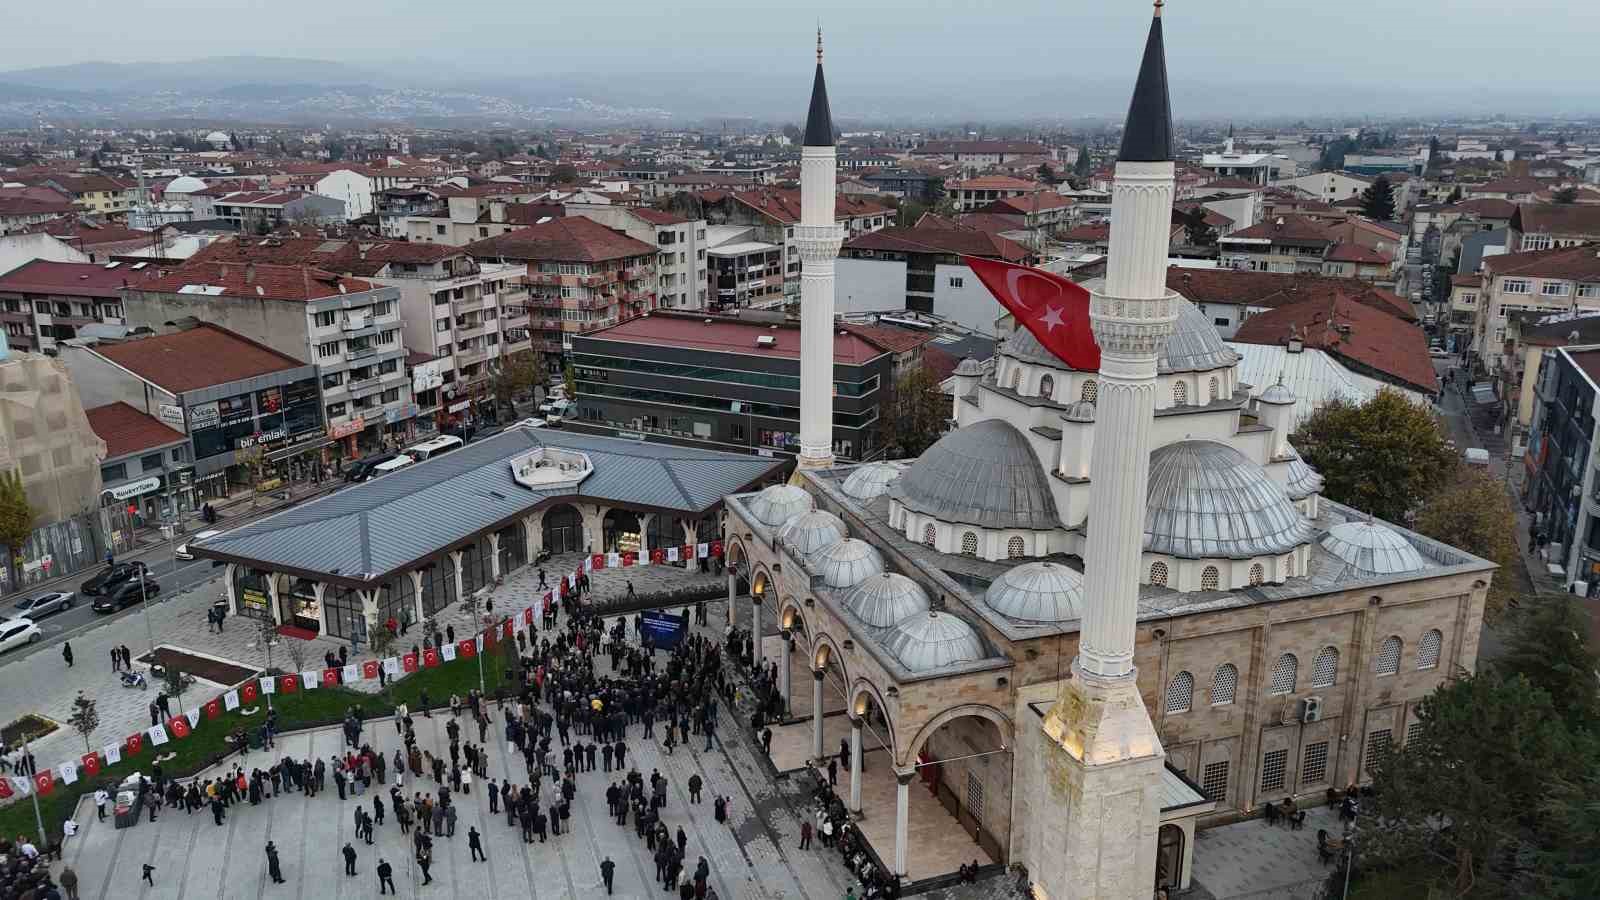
(208, 74)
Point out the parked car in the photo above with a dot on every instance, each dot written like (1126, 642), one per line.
(1438, 352)
(41, 605)
(126, 594)
(200, 536)
(110, 577)
(361, 469)
(16, 632)
(531, 423)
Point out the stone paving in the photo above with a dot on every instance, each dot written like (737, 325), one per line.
(1254, 859)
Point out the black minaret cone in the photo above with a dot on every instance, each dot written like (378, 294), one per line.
(1147, 135)
(819, 122)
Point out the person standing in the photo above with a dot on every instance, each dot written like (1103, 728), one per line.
(148, 871)
(608, 870)
(386, 878)
(66, 652)
(274, 870)
(475, 844)
(805, 835)
(101, 798)
(69, 882)
(349, 859)
(424, 860)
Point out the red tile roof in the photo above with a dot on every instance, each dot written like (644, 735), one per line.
(783, 205)
(1578, 263)
(1091, 233)
(127, 430)
(80, 233)
(1354, 332)
(953, 147)
(1488, 208)
(198, 357)
(1284, 228)
(70, 279)
(656, 216)
(1469, 280)
(1557, 218)
(722, 334)
(964, 241)
(16, 205)
(987, 222)
(994, 183)
(1346, 251)
(1271, 289)
(258, 280)
(1034, 201)
(888, 337)
(574, 238)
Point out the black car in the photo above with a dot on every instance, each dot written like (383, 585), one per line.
(362, 468)
(112, 576)
(126, 594)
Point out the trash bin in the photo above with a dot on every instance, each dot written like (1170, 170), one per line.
(257, 739)
(126, 809)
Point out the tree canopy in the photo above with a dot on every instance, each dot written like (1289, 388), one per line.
(1377, 201)
(517, 374)
(1196, 230)
(1473, 512)
(1385, 456)
(1549, 646)
(915, 414)
(16, 514)
(1568, 194)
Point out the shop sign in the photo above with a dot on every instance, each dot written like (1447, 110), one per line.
(400, 414)
(134, 488)
(263, 437)
(34, 565)
(171, 415)
(233, 410)
(203, 416)
(354, 426)
(460, 407)
(253, 598)
(427, 376)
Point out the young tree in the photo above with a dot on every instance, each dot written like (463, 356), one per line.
(914, 415)
(517, 374)
(1047, 174)
(793, 133)
(1573, 856)
(565, 173)
(254, 462)
(1385, 456)
(296, 649)
(85, 718)
(1550, 648)
(1455, 195)
(1196, 230)
(16, 515)
(1474, 513)
(1568, 194)
(1377, 201)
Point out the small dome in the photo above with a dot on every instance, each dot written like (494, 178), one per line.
(1195, 346)
(1278, 395)
(872, 480)
(933, 641)
(1037, 592)
(847, 563)
(1372, 548)
(969, 367)
(1207, 500)
(780, 503)
(885, 599)
(1081, 411)
(813, 532)
(985, 474)
(184, 184)
(1303, 481)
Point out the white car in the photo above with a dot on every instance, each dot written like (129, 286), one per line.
(531, 423)
(201, 536)
(40, 605)
(1438, 352)
(16, 632)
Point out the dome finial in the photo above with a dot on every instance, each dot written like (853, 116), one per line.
(819, 43)
(1159, 4)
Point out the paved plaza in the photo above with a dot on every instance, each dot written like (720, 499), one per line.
(1254, 859)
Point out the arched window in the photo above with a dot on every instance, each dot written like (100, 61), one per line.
(1224, 683)
(1284, 673)
(929, 535)
(1016, 376)
(1180, 693)
(1209, 578)
(1428, 649)
(1158, 574)
(969, 543)
(1091, 391)
(1214, 389)
(1257, 574)
(1016, 548)
(1047, 387)
(1325, 668)
(1389, 655)
(1180, 394)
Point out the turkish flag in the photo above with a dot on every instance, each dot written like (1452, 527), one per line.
(716, 548)
(249, 692)
(409, 662)
(430, 658)
(179, 726)
(330, 677)
(508, 630)
(628, 558)
(213, 708)
(599, 560)
(289, 683)
(5, 789)
(369, 668)
(44, 782)
(658, 556)
(91, 764)
(467, 648)
(527, 614)
(135, 742)
(686, 551)
(1055, 309)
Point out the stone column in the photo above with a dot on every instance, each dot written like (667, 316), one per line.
(816, 714)
(902, 818)
(369, 612)
(416, 597)
(272, 598)
(783, 667)
(229, 570)
(455, 566)
(494, 555)
(594, 524)
(691, 536)
(533, 534)
(321, 589)
(755, 630)
(855, 764)
(733, 585)
(645, 520)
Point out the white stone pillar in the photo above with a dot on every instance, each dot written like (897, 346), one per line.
(902, 818)
(755, 630)
(228, 572)
(733, 585)
(455, 565)
(645, 521)
(272, 598)
(533, 535)
(494, 555)
(816, 715)
(691, 536)
(416, 597)
(785, 653)
(817, 237)
(321, 590)
(855, 764)
(369, 611)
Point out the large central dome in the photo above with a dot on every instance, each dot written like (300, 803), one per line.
(1195, 346)
(1207, 500)
(985, 475)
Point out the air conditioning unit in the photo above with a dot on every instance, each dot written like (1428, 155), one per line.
(1311, 709)
(766, 340)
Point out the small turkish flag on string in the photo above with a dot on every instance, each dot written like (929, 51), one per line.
(430, 658)
(178, 726)
(409, 662)
(290, 683)
(5, 789)
(467, 648)
(213, 708)
(527, 614)
(135, 742)
(249, 692)
(44, 782)
(716, 548)
(330, 677)
(91, 764)
(507, 630)
(369, 668)
(1053, 308)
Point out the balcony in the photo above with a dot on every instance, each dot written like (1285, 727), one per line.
(598, 279)
(634, 273)
(472, 330)
(469, 357)
(360, 352)
(466, 305)
(550, 278)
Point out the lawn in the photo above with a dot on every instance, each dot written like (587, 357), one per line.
(205, 746)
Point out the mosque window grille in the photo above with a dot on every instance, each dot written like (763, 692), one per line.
(1047, 387)
(1274, 768)
(1180, 394)
(1090, 392)
(1180, 693)
(1224, 684)
(930, 535)
(1258, 575)
(1016, 378)
(1389, 656)
(1214, 781)
(1428, 649)
(1413, 731)
(975, 796)
(1314, 767)
(1379, 742)
(1215, 388)
(1209, 578)
(969, 543)
(1158, 574)
(1016, 548)
(1325, 668)
(1284, 673)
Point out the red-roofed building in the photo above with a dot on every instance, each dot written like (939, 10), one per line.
(774, 213)
(93, 193)
(98, 240)
(1561, 279)
(1229, 297)
(42, 302)
(1039, 209)
(144, 457)
(681, 264)
(1362, 338)
(261, 211)
(974, 193)
(20, 210)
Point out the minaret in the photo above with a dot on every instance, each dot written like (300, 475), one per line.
(1103, 756)
(818, 236)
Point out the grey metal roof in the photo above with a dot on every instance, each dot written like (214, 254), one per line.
(986, 475)
(871, 480)
(1303, 480)
(1207, 500)
(779, 503)
(369, 530)
(1079, 411)
(933, 641)
(1278, 395)
(1195, 346)
(1371, 548)
(813, 532)
(1147, 132)
(886, 599)
(847, 563)
(1038, 592)
(819, 122)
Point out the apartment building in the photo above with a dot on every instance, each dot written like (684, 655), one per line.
(475, 213)
(19, 212)
(973, 193)
(261, 211)
(42, 302)
(681, 262)
(1563, 279)
(349, 328)
(774, 213)
(742, 271)
(1286, 244)
(581, 276)
(1541, 226)
(97, 194)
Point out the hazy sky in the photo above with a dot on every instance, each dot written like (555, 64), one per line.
(878, 50)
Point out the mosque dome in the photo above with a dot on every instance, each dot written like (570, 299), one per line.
(869, 481)
(932, 641)
(813, 532)
(218, 137)
(986, 475)
(1079, 411)
(1207, 500)
(848, 563)
(969, 367)
(184, 184)
(778, 504)
(1277, 395)
(1195, 346)
(1038, 592)
(1303, 481)
(883, 600)
(1372, 548)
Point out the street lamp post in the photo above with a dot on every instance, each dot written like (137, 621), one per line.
(38, 819)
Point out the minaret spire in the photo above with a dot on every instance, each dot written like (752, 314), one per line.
(818, 237)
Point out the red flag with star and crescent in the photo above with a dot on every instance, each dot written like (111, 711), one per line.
(1055, 309)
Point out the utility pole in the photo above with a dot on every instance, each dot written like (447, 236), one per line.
(38, 819)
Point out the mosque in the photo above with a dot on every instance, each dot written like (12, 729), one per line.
(1109, 608)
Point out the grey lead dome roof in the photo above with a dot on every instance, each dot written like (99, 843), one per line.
(1207, 501)
(985, 475)
(871, 480)
(1037, 592)
(847, 563)
(1195, 346)
(885, 599)
(1303, 481)
(1373, 549)
(778, 504)
(1278, 395)
(813, 532)
(933, 641)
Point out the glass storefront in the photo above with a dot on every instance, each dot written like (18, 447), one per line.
(250, 589)
(300, 600)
